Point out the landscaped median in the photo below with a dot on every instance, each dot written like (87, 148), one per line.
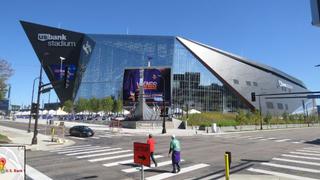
(248, 120)
(4, 139)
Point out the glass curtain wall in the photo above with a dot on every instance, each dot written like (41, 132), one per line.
(195, 87)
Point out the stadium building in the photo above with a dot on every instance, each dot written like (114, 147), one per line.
(201, 77)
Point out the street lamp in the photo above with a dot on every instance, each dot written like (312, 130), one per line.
(164, 131)
(61, 61)
(31, 104)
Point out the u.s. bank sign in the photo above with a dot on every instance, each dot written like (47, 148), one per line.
(60, 40)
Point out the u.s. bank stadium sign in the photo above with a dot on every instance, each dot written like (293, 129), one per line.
(56, 40)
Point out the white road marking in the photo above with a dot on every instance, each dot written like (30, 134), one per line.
(109, 158)
(95, 137)
(282, 140)
(298, 142)
(183, 170)
(312, 148)
(253, 138)
(308, 151)
(135, 169)
(107, 136)
(83, 139)
(308, 154)
(81, 150)
(278, 174)
(271, 138)
(263, 139)
(35, 174)
(292, 167)
(102, 154)
(70, 148)
(296, 161)
(126, 162)
(300, 157)
(93, 151)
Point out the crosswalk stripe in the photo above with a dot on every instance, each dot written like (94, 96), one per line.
(274, 173)
(93, 151)
(263, 139)
(71, 148)
(253, 138)
(298, 142)
(78, 138)
(272, 138)
(102, 154)
(292, 167)
(295, 161)
(108, 136)
(126, 162)
(95, 137)
(300, 157)
(110, 158)
(312, 148)
(302, 153)
(80, 150)
(183, 170)
(282, 140)
(131, 170)
(308, 151)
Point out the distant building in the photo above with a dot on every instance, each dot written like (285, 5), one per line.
(202, 77)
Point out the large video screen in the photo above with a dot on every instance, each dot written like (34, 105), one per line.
(156, 83)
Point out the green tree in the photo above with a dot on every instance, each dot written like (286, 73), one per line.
(107, 104)
(68, 106)
(240, 117)
(94, 105)
(117, 106)
(5, 73)
(82, 105)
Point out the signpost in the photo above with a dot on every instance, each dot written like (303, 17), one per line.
(141, 155)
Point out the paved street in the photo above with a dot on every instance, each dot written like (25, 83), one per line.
(291, 153)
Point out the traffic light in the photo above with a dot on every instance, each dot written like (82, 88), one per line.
(67, 74)
(253, 96)
(34, 107)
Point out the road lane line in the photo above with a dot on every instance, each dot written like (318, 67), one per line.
(308, 154)
(298, 142)
(81, 150)
(160, 164)
(296, 161)
(35, 174)
(83, 139)
(300, 157)
(70, 148)
(93, 151)
(292, 167)
(272, 138)
(282, 140)
(109, 158)
(183, 170)
(278, 174)
(126, 162)
(102, 154)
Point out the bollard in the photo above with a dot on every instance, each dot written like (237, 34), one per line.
(229, 158)
(227, 170)
(52, 134)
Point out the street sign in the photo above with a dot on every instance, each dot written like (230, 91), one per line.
(141, 153)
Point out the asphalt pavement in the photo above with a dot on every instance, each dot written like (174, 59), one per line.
(288, 154)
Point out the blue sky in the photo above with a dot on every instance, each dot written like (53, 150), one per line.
(273, 32)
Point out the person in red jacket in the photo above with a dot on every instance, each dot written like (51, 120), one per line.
(152, 142)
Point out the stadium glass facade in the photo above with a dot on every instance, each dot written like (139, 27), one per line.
(192, 85)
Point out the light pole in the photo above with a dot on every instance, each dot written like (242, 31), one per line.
(31, 104)
(61, 61)
(164, 130)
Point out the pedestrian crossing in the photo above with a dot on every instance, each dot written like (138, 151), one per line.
(102, 135)
(261, 138)
(301, 164)
(122, 159)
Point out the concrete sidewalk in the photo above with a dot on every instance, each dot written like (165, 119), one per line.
(21, 137)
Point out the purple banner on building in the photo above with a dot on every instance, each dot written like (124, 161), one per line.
(156, 83)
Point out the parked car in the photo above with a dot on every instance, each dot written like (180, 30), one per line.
(81, 131)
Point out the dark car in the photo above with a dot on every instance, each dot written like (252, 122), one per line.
(81, 131)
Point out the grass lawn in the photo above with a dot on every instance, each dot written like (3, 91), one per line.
(4, 139)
